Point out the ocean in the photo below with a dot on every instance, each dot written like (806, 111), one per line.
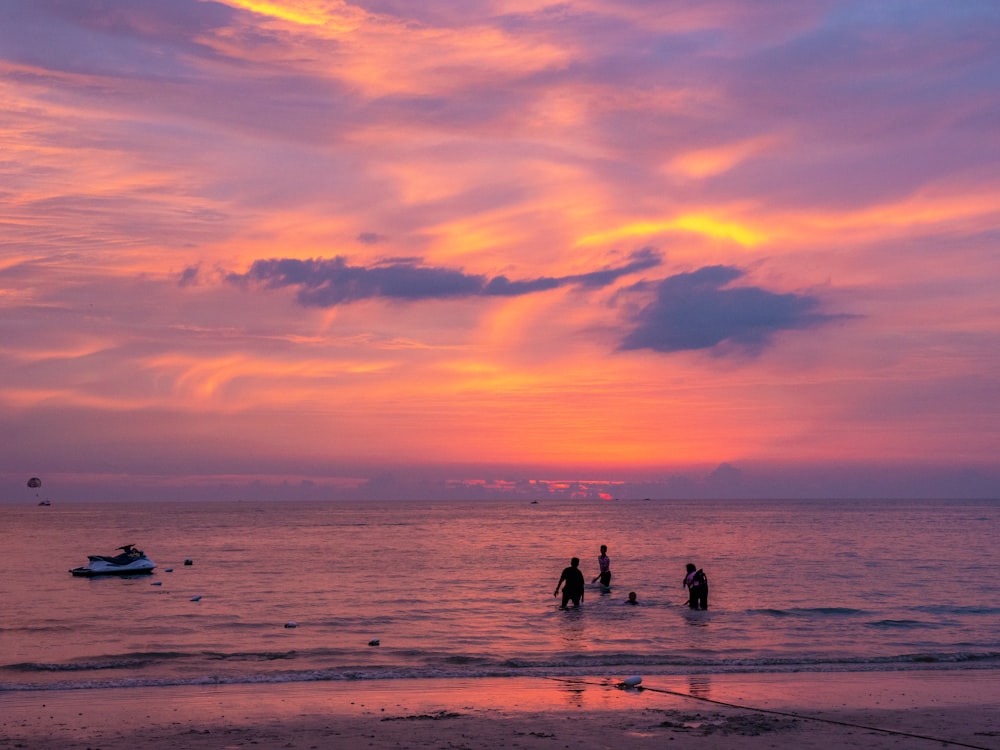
(465, 590)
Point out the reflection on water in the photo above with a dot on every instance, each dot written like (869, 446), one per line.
(696, 617)
(574, 694)
(572, 629)
(572, 690)
(700, 686)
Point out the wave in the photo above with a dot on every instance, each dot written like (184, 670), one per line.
(97, 663)
(940, 609)
(808, 612)
(145, 659)
(901, 624)
(821, 612)
(453, 666)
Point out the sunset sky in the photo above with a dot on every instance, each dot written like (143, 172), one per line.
(311, 248)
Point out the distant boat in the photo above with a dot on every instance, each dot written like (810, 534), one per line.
(45, 502)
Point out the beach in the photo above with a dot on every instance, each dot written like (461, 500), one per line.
(861, 710)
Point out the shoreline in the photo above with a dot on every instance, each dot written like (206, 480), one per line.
(803, 710)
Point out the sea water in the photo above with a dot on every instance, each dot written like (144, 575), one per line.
(465, 589)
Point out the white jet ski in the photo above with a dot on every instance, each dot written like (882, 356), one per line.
(130, 562)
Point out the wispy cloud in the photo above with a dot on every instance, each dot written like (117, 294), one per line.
(334, 281)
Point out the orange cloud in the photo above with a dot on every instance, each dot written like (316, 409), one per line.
(382, 56)
(709, 162)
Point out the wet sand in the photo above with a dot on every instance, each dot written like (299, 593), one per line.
(798, 710)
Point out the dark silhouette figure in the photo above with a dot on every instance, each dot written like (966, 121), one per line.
(696, 583)
(573, 588)
(604, 562)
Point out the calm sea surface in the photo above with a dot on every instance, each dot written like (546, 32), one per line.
(465, 589)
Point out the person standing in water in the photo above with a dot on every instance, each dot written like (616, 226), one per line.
(696, 583)
(573, 588)
(605, 564)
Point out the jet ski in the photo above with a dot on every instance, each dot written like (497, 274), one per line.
(130, 562)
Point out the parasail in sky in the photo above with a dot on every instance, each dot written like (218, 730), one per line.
(34, 482)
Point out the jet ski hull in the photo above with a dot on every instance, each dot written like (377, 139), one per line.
(141, 566)
(131, 562)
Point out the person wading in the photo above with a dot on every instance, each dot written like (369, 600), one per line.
(572, 584)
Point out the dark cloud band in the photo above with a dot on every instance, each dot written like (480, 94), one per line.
(700, 310)
(690, 311)
(330, 282)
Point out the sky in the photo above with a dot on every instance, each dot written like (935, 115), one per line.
(309, 249)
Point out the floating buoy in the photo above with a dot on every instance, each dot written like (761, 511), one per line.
(373, 642)
(291, 624)
(632, 681)
(189, 561)
(196, 598)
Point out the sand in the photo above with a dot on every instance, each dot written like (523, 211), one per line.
(880, 710)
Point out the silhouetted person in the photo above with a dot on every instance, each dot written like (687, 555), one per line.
(631, 598)
(604, 562)
(573, 580)
(696, 583)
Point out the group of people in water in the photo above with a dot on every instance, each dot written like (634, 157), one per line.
(573, 584)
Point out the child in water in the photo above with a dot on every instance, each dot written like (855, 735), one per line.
(604, 563)
(631, 598)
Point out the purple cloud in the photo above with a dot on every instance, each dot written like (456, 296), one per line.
(699, 310)
(330, 282)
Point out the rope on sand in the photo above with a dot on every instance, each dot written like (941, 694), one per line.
(775, 712)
